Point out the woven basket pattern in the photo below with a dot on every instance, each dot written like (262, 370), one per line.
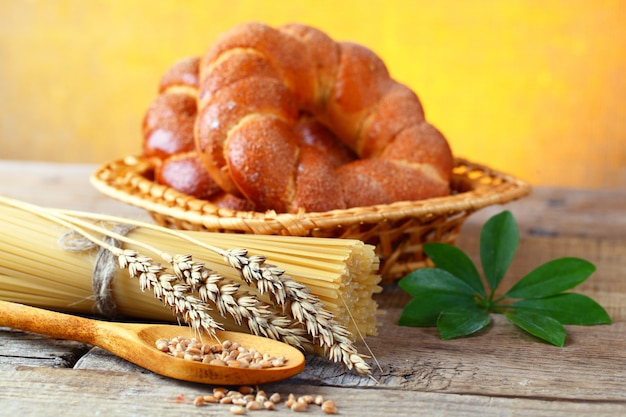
(397, 230)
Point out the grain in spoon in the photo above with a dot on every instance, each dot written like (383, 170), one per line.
(136, 343)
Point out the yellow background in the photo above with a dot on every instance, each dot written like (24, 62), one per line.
(536, 88)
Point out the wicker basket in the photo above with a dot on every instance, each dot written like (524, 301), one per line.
(397, 230)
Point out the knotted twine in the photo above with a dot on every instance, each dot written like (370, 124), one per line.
(105, 265)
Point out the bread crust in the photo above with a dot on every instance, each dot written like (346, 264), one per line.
(289, 119)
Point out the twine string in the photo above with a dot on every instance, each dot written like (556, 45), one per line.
(105, 266)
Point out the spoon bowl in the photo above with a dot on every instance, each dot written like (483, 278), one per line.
(136, 342)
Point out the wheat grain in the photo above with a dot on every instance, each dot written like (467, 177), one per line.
(329, 407)
(223, 354)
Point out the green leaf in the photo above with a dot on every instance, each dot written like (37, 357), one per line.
(498, 242)
(459, 323)
(423, 310)
(543, 327)
(434, 279)
(569, 308)
(552, 278)
(455, 261)
(453, 297)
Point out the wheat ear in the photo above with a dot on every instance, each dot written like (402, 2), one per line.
(231, 300)
(307, 309)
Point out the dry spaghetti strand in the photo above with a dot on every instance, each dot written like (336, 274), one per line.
(324, 300)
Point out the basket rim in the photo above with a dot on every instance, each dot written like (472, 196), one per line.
(474, 186)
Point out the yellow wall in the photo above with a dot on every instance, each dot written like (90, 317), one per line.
(533, 87)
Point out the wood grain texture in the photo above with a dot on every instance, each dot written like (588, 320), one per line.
(74, 393)
(500, 372)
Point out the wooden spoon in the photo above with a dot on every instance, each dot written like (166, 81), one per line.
(136, 343)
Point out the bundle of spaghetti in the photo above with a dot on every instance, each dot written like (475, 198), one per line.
(283, 287)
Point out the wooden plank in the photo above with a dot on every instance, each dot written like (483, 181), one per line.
(61, 186)
(21, 348)
(502, 371)
(48, 391)
(504, 361)
(551, 211)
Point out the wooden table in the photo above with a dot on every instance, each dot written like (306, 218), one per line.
(502, 372)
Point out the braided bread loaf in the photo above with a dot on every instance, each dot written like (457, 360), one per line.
(168, 137)
(267, 101)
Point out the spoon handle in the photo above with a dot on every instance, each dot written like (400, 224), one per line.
(49, 323)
